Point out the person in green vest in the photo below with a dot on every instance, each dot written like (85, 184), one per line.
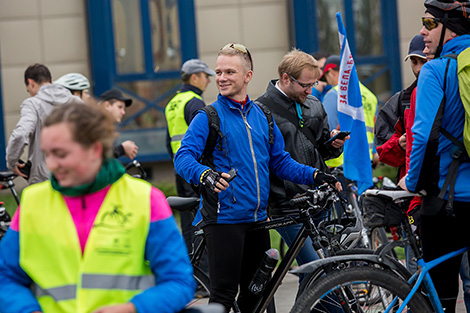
(330, 103)
(195, 76)
(92, 238)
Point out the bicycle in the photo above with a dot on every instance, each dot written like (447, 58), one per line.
(379, 289)
(309, 204)
(6, 182)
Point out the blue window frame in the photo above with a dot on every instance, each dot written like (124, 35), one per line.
(138, 47)
(372, 30)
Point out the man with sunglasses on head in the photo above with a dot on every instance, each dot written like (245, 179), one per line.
(303, 123)
(252, 146)
(437, 130)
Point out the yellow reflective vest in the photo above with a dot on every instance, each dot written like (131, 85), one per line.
(112, 268)
(174, 113)
(369, 103)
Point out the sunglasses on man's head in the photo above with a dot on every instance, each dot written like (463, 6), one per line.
(303, 85)
(240, 48)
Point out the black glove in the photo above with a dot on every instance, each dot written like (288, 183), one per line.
(321, 178)
(210, 179)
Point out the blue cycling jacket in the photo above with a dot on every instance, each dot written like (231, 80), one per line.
(431, 153)
(245, 147)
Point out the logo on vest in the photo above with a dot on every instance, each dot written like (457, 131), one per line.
(113, 232)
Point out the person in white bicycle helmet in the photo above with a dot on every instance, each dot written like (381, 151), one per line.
(77, 83)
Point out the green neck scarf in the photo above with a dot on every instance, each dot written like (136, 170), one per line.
(110, 172)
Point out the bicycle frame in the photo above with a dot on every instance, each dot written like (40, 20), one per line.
(7, 183)
(425, 278)
(284, 266)
(308, 229)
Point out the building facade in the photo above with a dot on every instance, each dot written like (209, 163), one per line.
(139, 46)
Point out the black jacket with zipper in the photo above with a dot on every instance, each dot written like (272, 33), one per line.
(297, 144)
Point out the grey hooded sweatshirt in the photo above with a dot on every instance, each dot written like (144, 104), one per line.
(28, 129)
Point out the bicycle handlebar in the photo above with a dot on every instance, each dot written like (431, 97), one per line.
(317, 197)
(136, 164)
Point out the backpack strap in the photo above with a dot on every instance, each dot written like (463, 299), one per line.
(459, 154)
(214, 134)
(269, 117)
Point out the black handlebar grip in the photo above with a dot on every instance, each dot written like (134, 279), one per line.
(299, 200)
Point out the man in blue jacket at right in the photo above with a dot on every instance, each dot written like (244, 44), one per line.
(439, 108)
(229, 211)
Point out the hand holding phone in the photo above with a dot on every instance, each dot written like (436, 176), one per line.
(26, 169)
(232, 173)
(340, 135)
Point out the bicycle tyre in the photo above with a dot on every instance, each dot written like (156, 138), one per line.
(381, 284)
(378, 237)
(203, 284)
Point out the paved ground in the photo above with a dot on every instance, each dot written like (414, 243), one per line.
(285, 296)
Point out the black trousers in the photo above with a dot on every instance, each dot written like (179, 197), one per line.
(440, 234)
(234, 256)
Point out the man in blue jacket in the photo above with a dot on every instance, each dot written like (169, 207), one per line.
(228, 211)
(439, 109)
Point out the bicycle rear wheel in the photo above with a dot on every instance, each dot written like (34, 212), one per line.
(362, 289)
(378, 237)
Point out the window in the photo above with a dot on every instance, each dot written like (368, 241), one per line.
(138, 46)
(373, 26)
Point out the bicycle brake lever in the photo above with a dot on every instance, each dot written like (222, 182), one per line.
(338, 194)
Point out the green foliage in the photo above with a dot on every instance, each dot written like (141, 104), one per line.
(385, 170)
(168, 189)
(9, 201)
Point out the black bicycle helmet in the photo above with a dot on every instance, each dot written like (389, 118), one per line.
(453, 14)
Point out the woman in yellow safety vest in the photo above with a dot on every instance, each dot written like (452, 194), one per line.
(93, 238)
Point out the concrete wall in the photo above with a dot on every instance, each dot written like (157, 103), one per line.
(261, 25)
(409, 16)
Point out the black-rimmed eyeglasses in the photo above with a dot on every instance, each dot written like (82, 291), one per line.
(303, 85)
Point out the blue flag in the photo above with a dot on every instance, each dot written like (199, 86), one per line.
(356, 158)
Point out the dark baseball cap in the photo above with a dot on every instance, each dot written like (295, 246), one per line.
(416, 47)
(196, 66)
(115, 93)
(332, 61)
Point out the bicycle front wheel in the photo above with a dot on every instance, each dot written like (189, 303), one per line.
(361, 289)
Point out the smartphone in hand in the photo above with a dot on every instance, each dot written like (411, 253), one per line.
(232, 173)
(340, 135)
(25, 169)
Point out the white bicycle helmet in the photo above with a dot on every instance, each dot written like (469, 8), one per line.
(73, 81)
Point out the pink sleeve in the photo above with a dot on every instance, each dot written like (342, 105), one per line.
(159, 208)
(15, 221)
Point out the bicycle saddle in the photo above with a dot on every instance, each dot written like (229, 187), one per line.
(4, 176)
(183, 204)
(392, 194)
